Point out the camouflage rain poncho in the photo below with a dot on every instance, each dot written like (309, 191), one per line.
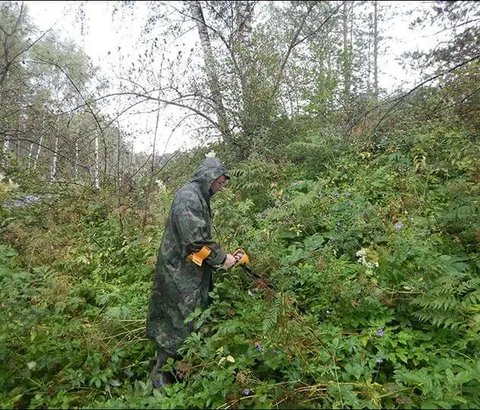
(180, 286)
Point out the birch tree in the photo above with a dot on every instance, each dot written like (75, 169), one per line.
(210, 68)
(13, 45)
(244, 67)
(376, 41)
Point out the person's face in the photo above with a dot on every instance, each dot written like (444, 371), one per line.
(219, 184)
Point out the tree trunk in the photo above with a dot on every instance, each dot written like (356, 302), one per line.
(30, 156)
(37, 155)
(157, 120)
(53, 169)
(6, 145)
(75, 165)
(96, 165)
(347, 55)
(244, 22)
(210, 68)
(375, 49)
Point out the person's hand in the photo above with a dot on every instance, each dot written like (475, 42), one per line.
(229, 261)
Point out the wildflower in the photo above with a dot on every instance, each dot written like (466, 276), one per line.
(379, 360)
(12, 184)
(247, 392)
(398, 226)
(380, 332)
(160, 184)
(367, 258)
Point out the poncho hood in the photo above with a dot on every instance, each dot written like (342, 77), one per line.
(210, 170)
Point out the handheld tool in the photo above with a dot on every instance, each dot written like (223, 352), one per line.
(243, 260)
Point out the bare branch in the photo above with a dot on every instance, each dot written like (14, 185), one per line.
(295, 41)
(398, 100)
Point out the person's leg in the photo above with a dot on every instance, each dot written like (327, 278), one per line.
(159, 377)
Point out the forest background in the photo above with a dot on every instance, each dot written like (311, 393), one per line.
(359, 209)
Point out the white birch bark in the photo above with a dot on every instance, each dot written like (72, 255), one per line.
(244, 21)
(346, 54)
(6, 145)
(96, 165)
(37, 155)
(75, 165)
(53, 168)
(30, 156)
(212, 74)
(375, 48)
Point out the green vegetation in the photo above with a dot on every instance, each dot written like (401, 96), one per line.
(359, 209)
(374, 257)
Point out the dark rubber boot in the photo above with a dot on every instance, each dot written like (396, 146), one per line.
(159, 378)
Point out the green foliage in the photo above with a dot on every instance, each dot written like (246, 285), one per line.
(315, 152)
(368, 292)
(365, 243)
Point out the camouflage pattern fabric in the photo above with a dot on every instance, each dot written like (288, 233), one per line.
(180, 286)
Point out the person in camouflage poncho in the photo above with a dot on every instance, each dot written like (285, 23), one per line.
(181, 284)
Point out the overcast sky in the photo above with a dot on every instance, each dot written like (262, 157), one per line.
(108, 44)
(101, 39)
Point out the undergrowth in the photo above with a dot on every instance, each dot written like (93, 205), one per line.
(369, 297)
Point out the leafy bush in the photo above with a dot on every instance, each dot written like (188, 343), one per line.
(367, 295)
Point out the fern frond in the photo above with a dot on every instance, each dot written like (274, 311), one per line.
(472, 298)
(462, 213)
(302, 201)
(439, 319)
(445, 303)
(269, 323)
(468, 286)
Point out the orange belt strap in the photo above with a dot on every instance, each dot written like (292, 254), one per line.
(198, 257)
